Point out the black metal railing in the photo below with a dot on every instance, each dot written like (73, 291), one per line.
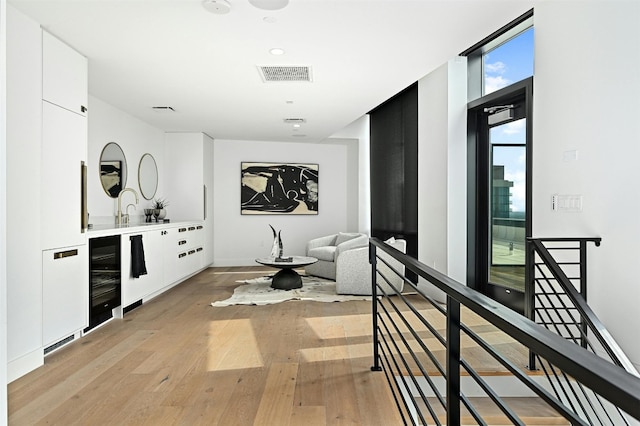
(441, 358)
(556, 298)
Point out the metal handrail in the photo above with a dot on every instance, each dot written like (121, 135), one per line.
(613, 383)
(600, 332)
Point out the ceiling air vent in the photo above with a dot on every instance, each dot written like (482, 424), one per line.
(294, 120)
(163, 109)
(284, 73)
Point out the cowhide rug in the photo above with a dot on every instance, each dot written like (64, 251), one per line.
(258, 291)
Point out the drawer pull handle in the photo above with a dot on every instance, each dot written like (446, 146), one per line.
(191, 252)
(192, 228)
(199, 249)
(182, 230)
(63, 254)
(199, 227)
(181, 255)
(182, 242)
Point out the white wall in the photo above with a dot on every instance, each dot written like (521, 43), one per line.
(135, 137)
(24, 111)
(3, 212)
(587, 99)
(442, 159)
(239, 239)
(359, 130)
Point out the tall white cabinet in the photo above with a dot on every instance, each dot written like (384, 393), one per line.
(65, 284)
(189, 182)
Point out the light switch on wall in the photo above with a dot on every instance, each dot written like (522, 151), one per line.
(566, 203)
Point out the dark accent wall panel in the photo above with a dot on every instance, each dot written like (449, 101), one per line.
(394, 168)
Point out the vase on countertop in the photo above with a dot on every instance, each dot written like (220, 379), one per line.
(159, 214)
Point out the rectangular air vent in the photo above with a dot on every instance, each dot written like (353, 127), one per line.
(59, 344)
(163, 109)
(294, 120)
(271, 73)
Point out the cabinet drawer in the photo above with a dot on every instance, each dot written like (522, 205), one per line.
(65, 290)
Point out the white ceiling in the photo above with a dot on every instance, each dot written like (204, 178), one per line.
(145, 53)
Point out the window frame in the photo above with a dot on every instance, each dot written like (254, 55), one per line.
(474, 54)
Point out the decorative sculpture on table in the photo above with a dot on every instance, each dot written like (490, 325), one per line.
(277, 249)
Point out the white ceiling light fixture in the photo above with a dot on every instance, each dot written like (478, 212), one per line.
(219, 7)
(269, 4)
(276, 51)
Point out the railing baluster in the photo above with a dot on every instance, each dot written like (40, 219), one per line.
(374, 307)
(583, 288)
(529, 292)
(453, 361)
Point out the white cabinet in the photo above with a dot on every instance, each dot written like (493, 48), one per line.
(65, 291)
(64, 147)
(189, 183)
(170, 257)
(64, 75)
(186, 183)
(135, 289)
(184, 252)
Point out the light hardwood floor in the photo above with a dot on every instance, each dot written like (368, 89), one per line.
(178, 360)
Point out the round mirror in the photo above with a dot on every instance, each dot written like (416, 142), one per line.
(113, 169)
(148, 176)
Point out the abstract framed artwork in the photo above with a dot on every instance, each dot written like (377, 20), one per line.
(279, 188)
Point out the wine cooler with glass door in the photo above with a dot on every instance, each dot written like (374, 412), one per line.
(104, 279)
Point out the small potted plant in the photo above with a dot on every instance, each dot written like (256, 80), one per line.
(159, 205)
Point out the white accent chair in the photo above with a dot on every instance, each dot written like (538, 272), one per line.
(328, 250)
(353, 270)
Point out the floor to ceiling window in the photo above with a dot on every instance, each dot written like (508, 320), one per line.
(499, 129)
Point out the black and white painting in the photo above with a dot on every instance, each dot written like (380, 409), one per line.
(279, 188)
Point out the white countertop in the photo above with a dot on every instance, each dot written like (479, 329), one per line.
(105, 229)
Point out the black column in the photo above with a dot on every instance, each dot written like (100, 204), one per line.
(394, 169)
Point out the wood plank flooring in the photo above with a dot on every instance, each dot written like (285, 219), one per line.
(178, 361)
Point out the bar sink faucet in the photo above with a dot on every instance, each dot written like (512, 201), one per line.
(119, 217)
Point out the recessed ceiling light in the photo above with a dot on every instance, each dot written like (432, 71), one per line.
(269, 4)
(296, 126)
(219, 7)
(270, 19)
(276, 51)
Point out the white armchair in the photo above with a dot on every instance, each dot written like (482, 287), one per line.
(329, 249)
(353, 270)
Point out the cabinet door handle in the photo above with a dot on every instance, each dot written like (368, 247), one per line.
(63, 254)
(191, 252)
(192, 228)
(181, 242)
(204, 201)
(199, 227)
(182, 230)
(84, 215)
(83, 108)
(199, 249)
(181, 255)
